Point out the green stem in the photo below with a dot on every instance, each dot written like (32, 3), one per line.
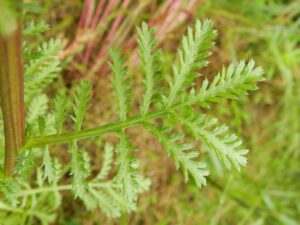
(4, 206)
(66, 187)
(12, 95)
(108, 128)
(40, 141)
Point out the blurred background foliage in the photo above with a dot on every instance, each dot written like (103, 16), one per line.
(267, 191)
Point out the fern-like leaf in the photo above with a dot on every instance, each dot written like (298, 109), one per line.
(81, 102)
(181, 154)
(126, 170)
(9, 188)
(110, 201)
(79, 160)
(151, 64)
(191, 57)
(107, 162)
(26, 161)
(117, 196)
(42, 70)
(120, 83)
(33, 29)
(48, 166)
(60, 110)
(225, 144)
(231, 83)
(38, 107)
(79, 168)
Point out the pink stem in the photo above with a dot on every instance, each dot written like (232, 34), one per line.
(90, 13)
(173, 11)
(83, 13)
(113, 29)
(182, 15)
(98, 13)
(111, 5)
(167, 5)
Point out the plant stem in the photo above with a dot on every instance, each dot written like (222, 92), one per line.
(12, 95)
(108, 128)
(105, 184)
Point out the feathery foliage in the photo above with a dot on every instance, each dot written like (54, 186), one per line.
(182, 154)
(37, 107)
(120, 82)
(9, 188)
(116, 190)
(42, 69)
(231, 83)
(60, 110)
(49, 167)
(226, 145)
(80, 162)
(107, 162)
(151, 64)
(127, 179)
(33, 28)
(191, 57)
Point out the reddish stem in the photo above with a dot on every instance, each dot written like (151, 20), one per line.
(113, 29)
(109, 8)
(12, 95)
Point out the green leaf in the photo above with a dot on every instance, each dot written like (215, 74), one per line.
(120, 83)
(81, 102)
(80, 169)
(42, 70)
(218, 138)
(38, 107)
(119, 195)
(60, 110)
(181, 154)
(33, 29)
(111, 201)
(126, 173)
(107, 162)
(231, 83)
(151, 64)
(9, 187)
(26, 162)
(80, 162)
(191, 57)
(48, 166)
